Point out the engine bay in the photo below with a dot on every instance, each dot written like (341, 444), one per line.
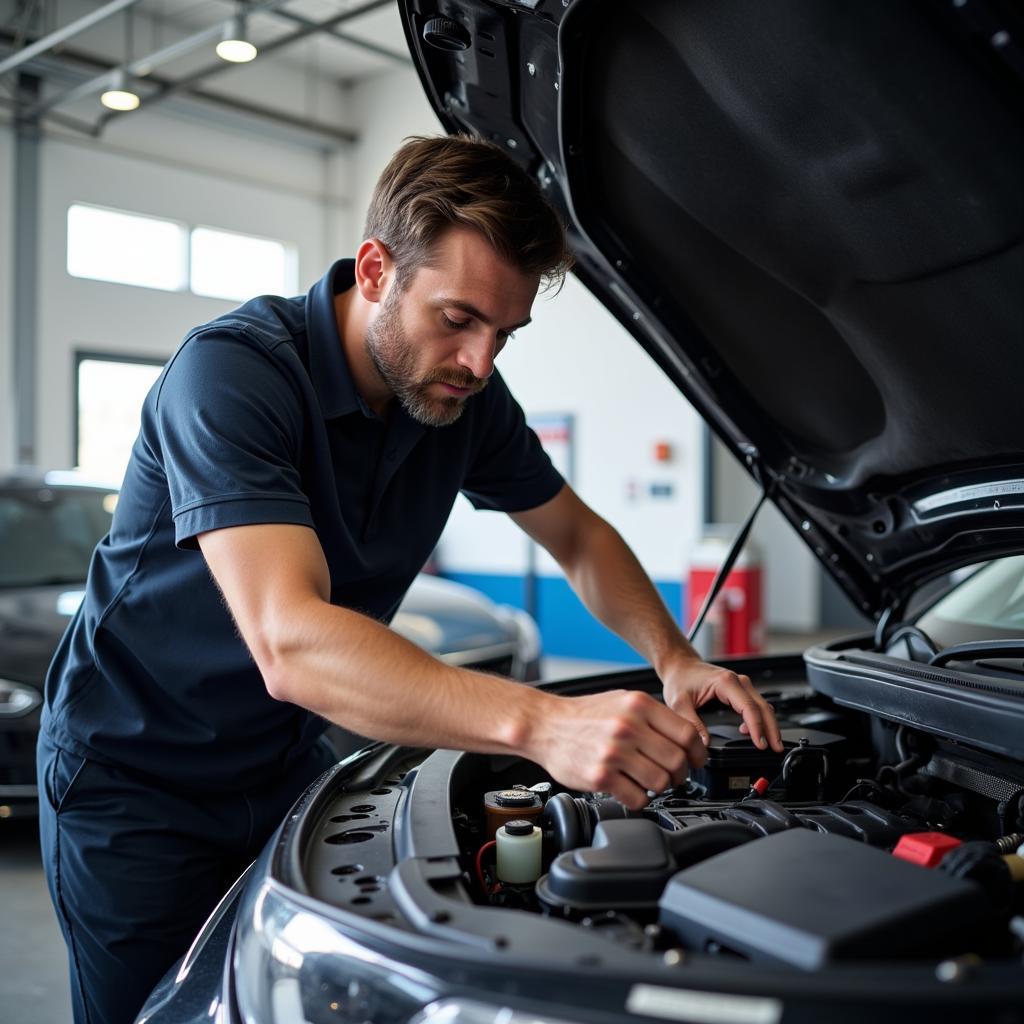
(865, 842)
(862, 840)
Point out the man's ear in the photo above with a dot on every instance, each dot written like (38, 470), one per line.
(375, 269)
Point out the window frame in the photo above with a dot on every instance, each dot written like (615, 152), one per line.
(81, 355)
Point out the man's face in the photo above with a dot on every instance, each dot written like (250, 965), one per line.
(434, 342)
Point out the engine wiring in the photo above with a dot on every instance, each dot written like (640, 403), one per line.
(496, 888)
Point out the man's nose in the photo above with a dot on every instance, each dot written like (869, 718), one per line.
(477, 354)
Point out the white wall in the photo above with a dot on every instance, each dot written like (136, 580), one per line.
(573, 358)
(82, 314)
(385, 109)
(6, 289)
(576, 358)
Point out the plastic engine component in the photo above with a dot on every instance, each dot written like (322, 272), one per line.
(829, 899)
(856, 820)
(627, 866)
(925, 848)
(982, 863)
(734, 763)
(630, 862)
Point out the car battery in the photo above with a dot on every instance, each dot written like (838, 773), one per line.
(734, 764)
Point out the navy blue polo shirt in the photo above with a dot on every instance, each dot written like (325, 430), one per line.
(256, 419)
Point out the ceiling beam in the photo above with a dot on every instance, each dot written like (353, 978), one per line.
(188, 83)
(26, 53)
(347, 37)
(93, 63)
(143, 66)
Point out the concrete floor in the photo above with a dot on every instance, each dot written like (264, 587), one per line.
(33, 964)
(34, 978)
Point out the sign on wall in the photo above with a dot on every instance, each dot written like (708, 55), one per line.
(555, 431)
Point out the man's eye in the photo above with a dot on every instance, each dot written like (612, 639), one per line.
(455, 325)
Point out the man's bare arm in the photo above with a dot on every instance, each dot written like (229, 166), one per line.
(360, 674)
(613, 585)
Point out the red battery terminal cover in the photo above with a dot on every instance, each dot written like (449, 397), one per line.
(925, 848)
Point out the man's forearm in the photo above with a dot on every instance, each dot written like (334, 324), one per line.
(363, 676)
(613, 585)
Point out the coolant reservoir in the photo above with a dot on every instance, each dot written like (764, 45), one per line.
(519, 852)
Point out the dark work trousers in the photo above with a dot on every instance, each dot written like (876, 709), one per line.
(134, 870)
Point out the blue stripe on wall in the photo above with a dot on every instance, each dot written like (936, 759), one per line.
(567, 628)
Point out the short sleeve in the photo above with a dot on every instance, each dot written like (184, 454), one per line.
(509, 470)
(229, 429)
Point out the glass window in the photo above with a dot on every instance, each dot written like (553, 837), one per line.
(226, 265)
(989, 605)
(47, 534)
(127, 248)
(110, 395)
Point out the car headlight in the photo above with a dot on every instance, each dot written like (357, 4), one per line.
(292, 965)
(17, 699)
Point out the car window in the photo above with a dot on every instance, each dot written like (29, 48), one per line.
(988, 605)
(48, 535)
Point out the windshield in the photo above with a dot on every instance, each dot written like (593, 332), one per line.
(987, 606)
(47, 535)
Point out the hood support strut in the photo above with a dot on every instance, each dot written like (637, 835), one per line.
(730, 561)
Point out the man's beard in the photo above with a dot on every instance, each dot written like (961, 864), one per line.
(394, 359)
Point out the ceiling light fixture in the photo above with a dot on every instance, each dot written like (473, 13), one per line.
(117, 96)
(234, 47)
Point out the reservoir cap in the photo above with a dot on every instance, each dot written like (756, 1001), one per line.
(515, 798)
(519, 827)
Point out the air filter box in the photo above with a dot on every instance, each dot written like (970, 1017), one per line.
(807, 900)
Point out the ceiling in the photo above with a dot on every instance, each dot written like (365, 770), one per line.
(167, 46)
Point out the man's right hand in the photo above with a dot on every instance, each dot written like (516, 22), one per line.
(622, 742)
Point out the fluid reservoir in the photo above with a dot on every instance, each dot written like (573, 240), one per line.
(519, 852)
(502, 805)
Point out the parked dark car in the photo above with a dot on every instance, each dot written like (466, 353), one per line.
(49, 525)
(810, 215)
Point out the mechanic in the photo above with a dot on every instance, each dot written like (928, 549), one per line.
(296, 463)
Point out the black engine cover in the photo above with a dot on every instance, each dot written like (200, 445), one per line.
(807, 899)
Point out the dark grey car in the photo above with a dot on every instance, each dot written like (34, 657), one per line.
(49, 525)
(811, 216)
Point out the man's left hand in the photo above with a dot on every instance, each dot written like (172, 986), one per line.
(690, 683)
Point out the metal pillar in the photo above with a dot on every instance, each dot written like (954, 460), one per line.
(26, 272)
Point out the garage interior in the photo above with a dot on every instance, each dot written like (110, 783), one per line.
(126, 110)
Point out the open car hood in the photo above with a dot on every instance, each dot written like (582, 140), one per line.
(811, 216)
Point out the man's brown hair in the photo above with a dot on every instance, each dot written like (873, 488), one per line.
(432, 184)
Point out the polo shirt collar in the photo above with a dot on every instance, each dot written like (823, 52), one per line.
(328, 367)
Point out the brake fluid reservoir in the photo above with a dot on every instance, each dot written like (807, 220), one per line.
(503, 805)
(519, 852)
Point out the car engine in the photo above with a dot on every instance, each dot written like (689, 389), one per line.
(873, 840)
(863, 840)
